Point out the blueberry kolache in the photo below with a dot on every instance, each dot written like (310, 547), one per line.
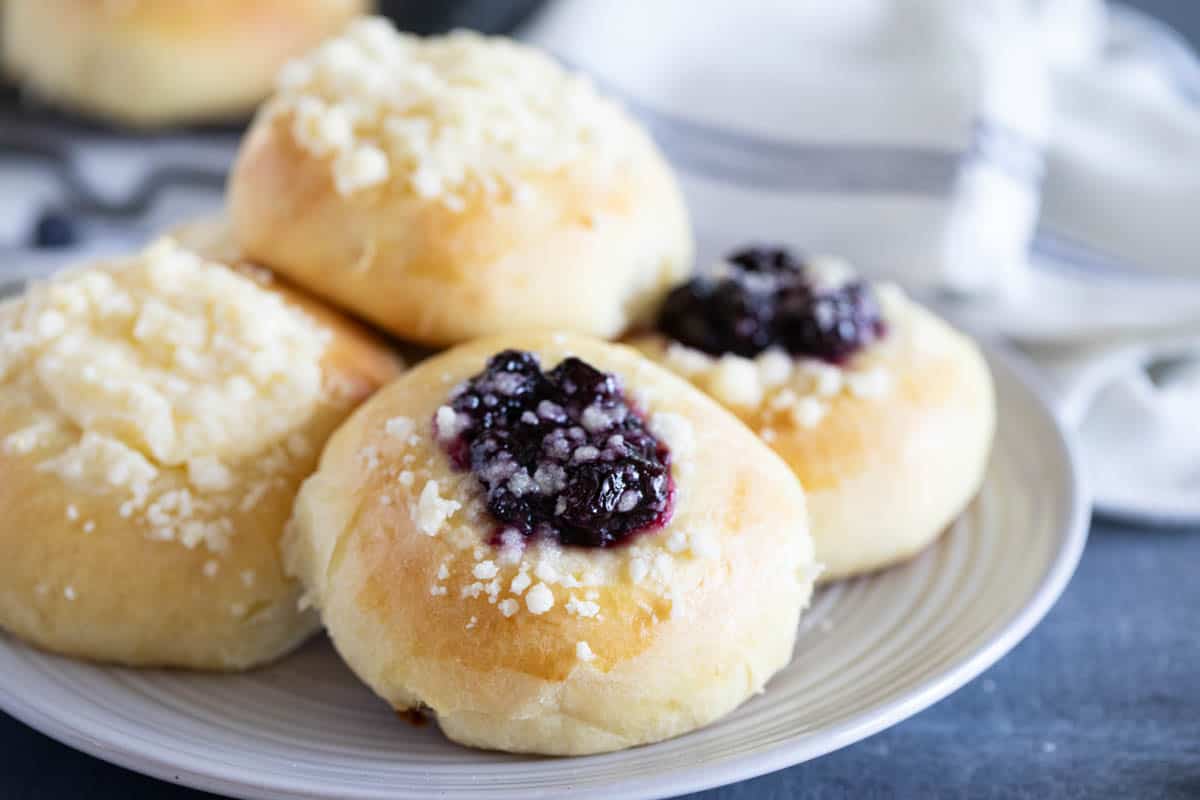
(884, 412)
(556, 546)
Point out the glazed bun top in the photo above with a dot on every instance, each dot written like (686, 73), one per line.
(446, 118)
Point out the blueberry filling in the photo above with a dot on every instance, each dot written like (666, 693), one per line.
(561, 454)
(767, 298)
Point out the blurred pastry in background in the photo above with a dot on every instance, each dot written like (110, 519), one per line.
(456, 186)
(883, 411)
(158, 413)
(148, 63)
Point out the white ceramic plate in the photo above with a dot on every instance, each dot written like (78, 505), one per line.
(872, 652)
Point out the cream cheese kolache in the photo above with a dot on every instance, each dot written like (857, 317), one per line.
(157, 415)
(883, 411)
(556, 545)
(458, 186)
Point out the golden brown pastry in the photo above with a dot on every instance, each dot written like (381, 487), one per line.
(457, 186)
(157, 415)
(148, 63)
(555, 545)
(883, 411)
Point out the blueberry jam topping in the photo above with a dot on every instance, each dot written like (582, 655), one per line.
(561, 454)
(768, 298)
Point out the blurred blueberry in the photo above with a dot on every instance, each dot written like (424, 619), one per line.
(55, 229)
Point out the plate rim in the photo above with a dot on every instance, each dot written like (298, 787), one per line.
(56, 724)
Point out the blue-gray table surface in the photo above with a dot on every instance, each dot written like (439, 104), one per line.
(1102, 700)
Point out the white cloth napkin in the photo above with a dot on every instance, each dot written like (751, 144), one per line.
(1038, 161)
